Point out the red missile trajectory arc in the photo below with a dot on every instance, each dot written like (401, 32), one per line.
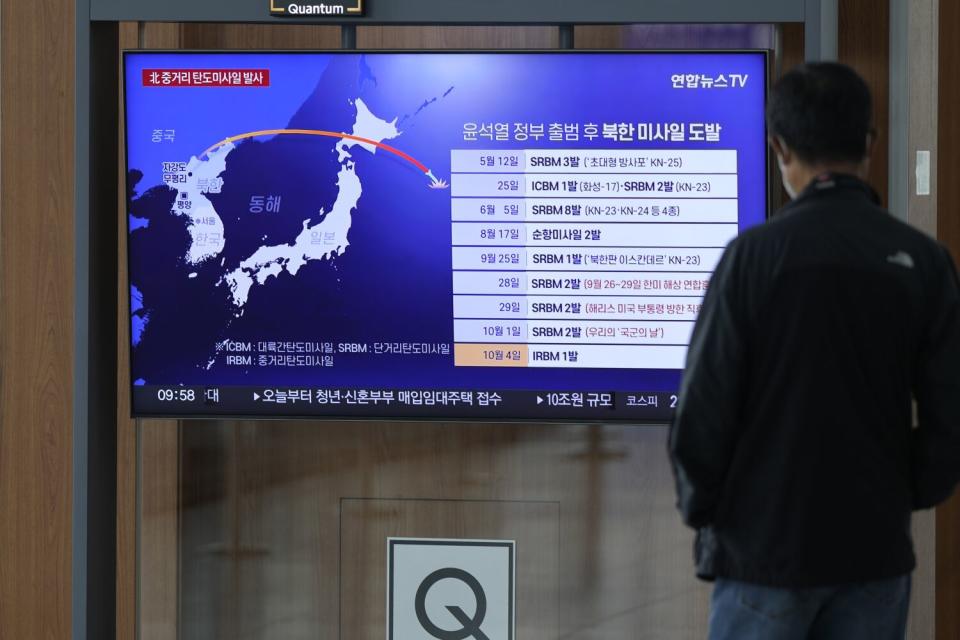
(435, 182)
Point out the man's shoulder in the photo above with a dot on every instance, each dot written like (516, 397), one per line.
(809, 218)
(809, 235)
(904, 236)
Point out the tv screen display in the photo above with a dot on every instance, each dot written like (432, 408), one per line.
(455, 235)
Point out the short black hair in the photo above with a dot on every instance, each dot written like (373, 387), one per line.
(823, 111)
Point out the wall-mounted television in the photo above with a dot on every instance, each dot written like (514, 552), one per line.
(431, 235)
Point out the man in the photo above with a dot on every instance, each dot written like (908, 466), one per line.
(793, 447)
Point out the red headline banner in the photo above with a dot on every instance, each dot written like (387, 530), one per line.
(206, 77)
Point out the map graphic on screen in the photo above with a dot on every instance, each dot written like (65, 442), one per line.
(449, 235)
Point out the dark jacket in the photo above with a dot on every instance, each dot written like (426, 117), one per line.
(792, 445)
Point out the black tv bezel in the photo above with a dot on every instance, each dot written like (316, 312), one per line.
(332, 418)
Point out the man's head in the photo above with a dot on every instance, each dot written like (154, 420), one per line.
(820, 119)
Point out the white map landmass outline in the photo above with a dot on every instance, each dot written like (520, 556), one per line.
(204, 224)
(326, 239)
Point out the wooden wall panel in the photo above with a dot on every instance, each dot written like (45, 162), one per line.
(791, 48)
(948, 195)
(457, 37)
(36, 317)
(259, 36)
(864, 44)
(128, 38)
(949, 123)
(599, 36)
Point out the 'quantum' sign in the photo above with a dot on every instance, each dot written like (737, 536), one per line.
(332, 9)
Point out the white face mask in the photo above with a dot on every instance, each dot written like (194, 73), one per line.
(791, 191)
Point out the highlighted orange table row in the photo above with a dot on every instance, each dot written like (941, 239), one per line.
(491, 355)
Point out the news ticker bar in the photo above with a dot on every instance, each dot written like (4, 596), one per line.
(157, 400)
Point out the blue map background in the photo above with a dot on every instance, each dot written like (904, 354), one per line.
(393, 283)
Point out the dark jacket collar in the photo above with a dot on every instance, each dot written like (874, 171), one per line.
(835, 183)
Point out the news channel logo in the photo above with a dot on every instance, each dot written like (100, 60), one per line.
(441, 589)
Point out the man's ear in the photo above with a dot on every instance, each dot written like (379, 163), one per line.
(784, 154)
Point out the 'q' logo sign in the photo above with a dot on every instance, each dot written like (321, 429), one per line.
(470, 627)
